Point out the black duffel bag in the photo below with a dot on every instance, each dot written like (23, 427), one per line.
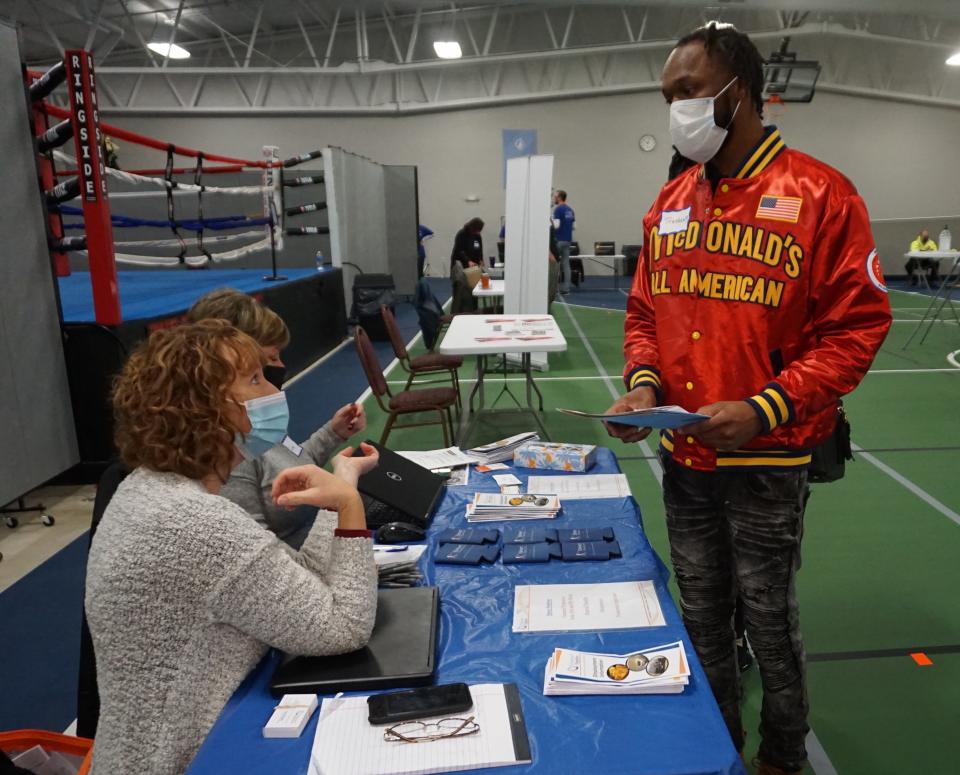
(370, 291)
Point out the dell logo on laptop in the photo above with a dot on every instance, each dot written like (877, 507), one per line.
(396, 477)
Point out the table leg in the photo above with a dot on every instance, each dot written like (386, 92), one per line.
(945, 292)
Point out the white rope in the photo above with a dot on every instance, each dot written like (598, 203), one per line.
(207, 241)
(161, 183)
(230, 255)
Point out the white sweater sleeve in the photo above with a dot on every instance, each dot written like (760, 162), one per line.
(283, 601)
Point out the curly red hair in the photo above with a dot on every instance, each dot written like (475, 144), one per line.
(170, 400)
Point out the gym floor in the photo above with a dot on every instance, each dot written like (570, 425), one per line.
(880, 573)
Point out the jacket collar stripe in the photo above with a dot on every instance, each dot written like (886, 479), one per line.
(765, 162)
(764, 146)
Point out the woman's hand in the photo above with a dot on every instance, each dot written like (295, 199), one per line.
(350, 469)
(348, 420)
(312, 486)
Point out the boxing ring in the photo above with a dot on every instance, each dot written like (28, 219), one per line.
(132, 250)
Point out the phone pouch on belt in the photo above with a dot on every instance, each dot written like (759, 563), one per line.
(467, 535)
(530, 552)
(578, 534)
(529, 535)
(466, 554)
(590, 550)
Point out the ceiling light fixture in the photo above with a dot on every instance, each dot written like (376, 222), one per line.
(954, 60)
(447, 49)
(170, 50)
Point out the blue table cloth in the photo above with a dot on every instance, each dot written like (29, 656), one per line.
(646, 735)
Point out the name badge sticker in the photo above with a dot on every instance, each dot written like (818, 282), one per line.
(673, 221)
(290, 444)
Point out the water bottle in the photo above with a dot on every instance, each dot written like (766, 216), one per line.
(320, 261)
(945, 239)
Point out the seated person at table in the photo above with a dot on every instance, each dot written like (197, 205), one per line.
(185, 593)
(931, 265)
(250, 482)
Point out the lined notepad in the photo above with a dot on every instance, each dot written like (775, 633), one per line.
(347, 744)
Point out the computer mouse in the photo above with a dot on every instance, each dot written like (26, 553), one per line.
(395, 532)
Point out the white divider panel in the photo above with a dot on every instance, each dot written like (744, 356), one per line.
(527, 238)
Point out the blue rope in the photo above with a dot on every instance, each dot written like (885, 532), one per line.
(217, 224)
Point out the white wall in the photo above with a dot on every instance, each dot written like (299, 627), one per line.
(903, 158)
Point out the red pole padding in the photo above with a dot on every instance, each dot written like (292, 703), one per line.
(134, 137)
(93, 185)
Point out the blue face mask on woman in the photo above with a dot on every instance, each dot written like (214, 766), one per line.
(269, 417)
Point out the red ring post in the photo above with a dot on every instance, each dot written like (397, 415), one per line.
(93, 185)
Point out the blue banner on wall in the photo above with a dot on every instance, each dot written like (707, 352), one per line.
(516, 143)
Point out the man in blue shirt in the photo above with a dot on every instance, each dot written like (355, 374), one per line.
(563, 218)
(423, 232)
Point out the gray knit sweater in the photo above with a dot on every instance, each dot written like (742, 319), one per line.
(184, 595)
(250, 484)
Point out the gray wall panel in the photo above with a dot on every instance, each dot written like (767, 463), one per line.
(400, 195)
(35, 413)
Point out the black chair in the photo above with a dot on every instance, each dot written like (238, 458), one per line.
(88, 693)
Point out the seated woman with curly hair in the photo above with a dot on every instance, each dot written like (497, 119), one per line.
(250, 482)
(185, 593)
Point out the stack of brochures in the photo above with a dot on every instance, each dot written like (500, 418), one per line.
(489, 507)
(498, 451)
(657, 670)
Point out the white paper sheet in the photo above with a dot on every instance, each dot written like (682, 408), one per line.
(572, 607)
(347, 744)
(439, 458)
(582, 486)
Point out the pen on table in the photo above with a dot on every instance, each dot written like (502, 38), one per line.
(391, 549)
(491, 338)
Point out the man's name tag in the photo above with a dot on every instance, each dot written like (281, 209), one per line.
(290, 444)
(673, 221)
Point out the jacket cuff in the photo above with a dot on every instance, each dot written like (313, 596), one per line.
(773, 406)
(643, 376)
(341, 533)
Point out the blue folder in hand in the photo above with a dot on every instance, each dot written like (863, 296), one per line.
(669, 417)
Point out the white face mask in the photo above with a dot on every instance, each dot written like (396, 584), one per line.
(693, 129)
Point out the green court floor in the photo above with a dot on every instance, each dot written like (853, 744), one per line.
(881, 555)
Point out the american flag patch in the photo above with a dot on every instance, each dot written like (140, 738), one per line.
(780, 208)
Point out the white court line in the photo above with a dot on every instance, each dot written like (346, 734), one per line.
(914, 488)
(952, 358)
(297, 377)
(817, 757)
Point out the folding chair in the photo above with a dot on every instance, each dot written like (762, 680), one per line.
(437, 400)
(421, 365)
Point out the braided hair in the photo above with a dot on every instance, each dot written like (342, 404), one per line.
(725, 43)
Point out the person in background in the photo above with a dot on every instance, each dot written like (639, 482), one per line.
(931, 265)
(468, 244)
(251, 482)
(802, 330)
(563, 220)
(184, 592)
(423, 233)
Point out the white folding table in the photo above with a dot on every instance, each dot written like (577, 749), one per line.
(496, 291)
(485, 335)
(943, 292)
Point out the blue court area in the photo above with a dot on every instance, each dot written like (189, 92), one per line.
(159, 293)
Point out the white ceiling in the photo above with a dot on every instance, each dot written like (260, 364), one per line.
(321, 56)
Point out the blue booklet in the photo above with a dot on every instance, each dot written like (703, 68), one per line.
(669, 417)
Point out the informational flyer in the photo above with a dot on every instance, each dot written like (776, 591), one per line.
(572, 607)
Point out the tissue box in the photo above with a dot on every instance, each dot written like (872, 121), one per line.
(555, 456)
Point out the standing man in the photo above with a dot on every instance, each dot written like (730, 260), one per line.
(920, 244)
(759, 303)
(563, 219)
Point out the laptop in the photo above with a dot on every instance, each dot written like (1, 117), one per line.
(402, 651)
(399, 490)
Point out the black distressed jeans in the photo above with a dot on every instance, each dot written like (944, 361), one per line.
(739, 532)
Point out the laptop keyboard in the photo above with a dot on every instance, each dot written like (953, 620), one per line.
(379, 513)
